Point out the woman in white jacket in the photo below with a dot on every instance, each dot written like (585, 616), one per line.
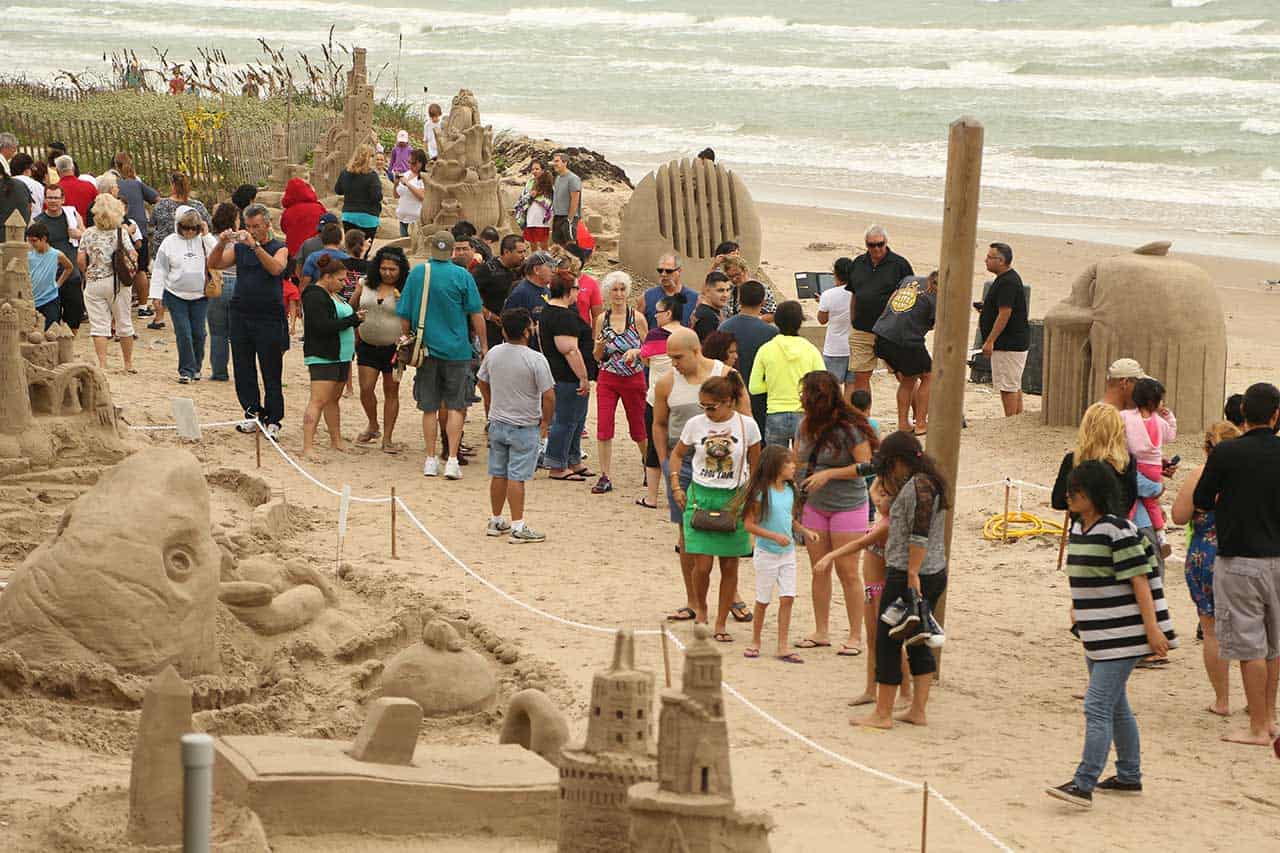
(178, 277)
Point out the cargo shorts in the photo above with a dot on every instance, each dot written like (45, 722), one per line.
(1246, 593)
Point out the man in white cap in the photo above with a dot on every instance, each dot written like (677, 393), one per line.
(1121, 376)
(455, 314)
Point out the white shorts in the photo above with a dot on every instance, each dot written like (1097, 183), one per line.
(774, 568)
(1006, 370)
(103, 306)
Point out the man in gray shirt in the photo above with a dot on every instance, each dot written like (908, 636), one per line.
(519, 394)
(566, 201)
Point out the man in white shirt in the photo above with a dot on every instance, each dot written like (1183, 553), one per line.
(8, 148)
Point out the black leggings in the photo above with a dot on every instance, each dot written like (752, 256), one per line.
(889, 649)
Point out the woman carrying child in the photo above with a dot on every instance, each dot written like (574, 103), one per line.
(768, 505)
(1117, 600)
(725, 447)
(916, 572)
(1147, 429)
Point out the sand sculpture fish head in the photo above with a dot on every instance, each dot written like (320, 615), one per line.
(130, 577)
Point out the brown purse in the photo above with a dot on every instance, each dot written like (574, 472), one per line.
(410, 352)
(721, 520)
(212, 278)
(124, 265)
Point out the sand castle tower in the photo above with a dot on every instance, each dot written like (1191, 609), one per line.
(15, 279)
(463, 181)
(690, 808)
(617, 754)
(15, 404)
(353, 128)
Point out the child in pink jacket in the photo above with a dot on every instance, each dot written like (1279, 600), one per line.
(1148, 428)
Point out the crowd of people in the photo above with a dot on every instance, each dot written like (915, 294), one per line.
(762, 440)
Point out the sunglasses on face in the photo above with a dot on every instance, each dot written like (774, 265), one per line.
(667, 271)
(878, 245)
(710, 407)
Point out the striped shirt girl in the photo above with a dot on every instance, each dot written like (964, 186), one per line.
(1101, 563)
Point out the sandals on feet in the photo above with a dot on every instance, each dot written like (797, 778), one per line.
(847, 651)
(368, 436)
(570, 477)
(722, 637)
(738, 610)
(791, 657)
(644, 502)
(807, 643)
(684, 614)
(751, 653)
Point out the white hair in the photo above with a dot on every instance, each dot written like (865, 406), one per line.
(64, 164)
(617, 277)
(107, 182)
(876, 231)
(8, 140)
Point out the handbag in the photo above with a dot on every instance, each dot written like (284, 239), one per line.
(212, 278)
(411, 351)
(720, 520)
(124, 265)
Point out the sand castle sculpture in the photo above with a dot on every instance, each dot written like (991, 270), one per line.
(137, 597)
(690, 807)
(281, 169)
(617, 753)
(462, 182)
(355, 127)
(1162, 311)
(440, 674)
(688, 207)
(52, 408)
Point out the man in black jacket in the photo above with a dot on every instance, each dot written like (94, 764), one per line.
(1240, 483)
(495, 278)
(875, 276)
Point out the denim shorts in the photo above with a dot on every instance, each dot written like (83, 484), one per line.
(513, 451)
(675, 513)
(780, 428)
(838, 365)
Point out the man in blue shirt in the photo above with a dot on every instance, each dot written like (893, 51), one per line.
(532, 291)
(454, 314)
(669, 284)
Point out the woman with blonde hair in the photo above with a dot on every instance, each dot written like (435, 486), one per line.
(1202, 551)
(106, 297)
(619, 332)
(361, 189)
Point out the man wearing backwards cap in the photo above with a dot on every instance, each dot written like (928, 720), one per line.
(454, 314)
(1121, 376)
(532, 291)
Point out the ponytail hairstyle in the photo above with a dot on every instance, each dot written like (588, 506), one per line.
(329, 264)
(754, 499)
(674, 302)
(723, 388)
(905, 448)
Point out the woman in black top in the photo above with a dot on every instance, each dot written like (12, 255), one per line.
(566, 340)
(1100, 437)
(361, 189)
(328, 348)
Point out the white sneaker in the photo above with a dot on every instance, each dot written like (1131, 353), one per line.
(452, 470)
(273, 430)
(431, 467)
(497, 528)
(526, 535)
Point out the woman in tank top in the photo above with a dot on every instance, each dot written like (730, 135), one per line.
(653, 355)
(377, 295)
(618, 334)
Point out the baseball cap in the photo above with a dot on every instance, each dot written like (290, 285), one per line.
(538, 259)
(1126, 368)
(325, 219)
(402, 136)
(440, 245)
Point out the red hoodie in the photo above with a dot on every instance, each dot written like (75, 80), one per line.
(302, 211)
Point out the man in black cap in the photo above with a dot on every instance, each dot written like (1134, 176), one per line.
(532, 291)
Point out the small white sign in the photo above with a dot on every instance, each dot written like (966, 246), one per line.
(344, 505)
(184, 415)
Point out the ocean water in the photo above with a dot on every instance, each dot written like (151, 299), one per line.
(1130, 119)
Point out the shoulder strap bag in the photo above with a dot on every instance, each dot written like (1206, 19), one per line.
(212, 278)
(411, 351)
(722, 520)
(124, 265)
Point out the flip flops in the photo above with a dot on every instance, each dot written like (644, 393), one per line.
(751, 653)
(847, 651)
(368, 435)
(644, 502)
(738, 610)
(684, 614)
(570, 477)
(722, 637)
(791, 657)
(807, 643)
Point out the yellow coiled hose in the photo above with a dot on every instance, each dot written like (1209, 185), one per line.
(1019, 525)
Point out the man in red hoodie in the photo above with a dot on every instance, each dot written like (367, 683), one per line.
(301, 215)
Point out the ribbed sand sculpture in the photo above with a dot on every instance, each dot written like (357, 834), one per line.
(1162, 311)
(688, 207)
(353, 128)
(462, 182)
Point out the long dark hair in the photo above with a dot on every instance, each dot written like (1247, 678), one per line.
(827, 413)
(545, 183)
(905, 448)
(1097, 481)
(396, 255)
(674, 302)
(754, 499)
(722, 388)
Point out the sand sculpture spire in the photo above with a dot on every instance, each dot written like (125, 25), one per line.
(15, 404)
(155, 778)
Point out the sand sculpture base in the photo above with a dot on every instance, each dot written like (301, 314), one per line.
(308, 787)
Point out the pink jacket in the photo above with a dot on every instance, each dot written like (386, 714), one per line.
(1146, 437)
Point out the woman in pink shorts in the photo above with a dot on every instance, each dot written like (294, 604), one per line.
(618, 334)
(832, 438)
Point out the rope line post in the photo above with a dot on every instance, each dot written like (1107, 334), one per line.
(1005, 537)
(1062, 543)
(393, 523)
(955, 291)
(257, 445)
(666, 654)
(197, 792)
(924, 820)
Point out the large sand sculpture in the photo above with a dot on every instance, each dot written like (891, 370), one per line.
(1162, 311)
(107, 589)
(353, 128)
(688, 207)
(462, 182)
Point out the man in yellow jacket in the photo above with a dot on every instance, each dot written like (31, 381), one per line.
(779, 366)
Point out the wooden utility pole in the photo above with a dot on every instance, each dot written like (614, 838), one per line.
(955, 291)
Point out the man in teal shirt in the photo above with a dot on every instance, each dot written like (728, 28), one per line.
(454, 314)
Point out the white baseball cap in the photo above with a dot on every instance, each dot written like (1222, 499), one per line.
(1126, 368)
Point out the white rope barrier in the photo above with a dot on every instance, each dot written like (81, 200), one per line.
(170, 427)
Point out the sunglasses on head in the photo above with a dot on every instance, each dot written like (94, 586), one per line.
(876, 245)
(667, 270)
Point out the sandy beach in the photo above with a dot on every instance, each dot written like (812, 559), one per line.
(1004, 721)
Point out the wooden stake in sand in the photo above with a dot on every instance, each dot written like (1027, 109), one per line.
(257, 444)
(1062, 543)
(666, 655)
(1005, 536)
(955, 291)
(344, 509)
(393, 522)
(924, 821)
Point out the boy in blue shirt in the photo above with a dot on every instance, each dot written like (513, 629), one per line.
(49, 270)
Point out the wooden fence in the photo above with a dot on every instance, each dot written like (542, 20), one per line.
(233, 156)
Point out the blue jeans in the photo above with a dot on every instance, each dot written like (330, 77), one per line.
(189, 317)
(564, 439)
(1107, 717)
(259, 342)
(780, 428)
(404, 229)
(220, 327)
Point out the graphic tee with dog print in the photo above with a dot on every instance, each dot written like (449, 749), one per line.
(720, 449)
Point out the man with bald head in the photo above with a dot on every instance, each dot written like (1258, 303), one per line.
(669, 285)
(675, 403)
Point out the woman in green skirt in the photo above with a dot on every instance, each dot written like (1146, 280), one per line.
(725, 447)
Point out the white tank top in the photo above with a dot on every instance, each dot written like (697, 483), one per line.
(683, 403)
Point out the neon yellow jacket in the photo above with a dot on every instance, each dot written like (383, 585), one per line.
(779, 366)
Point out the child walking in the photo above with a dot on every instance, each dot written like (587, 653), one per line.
(1117, 599)
(1147, 429)
(769, 504)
